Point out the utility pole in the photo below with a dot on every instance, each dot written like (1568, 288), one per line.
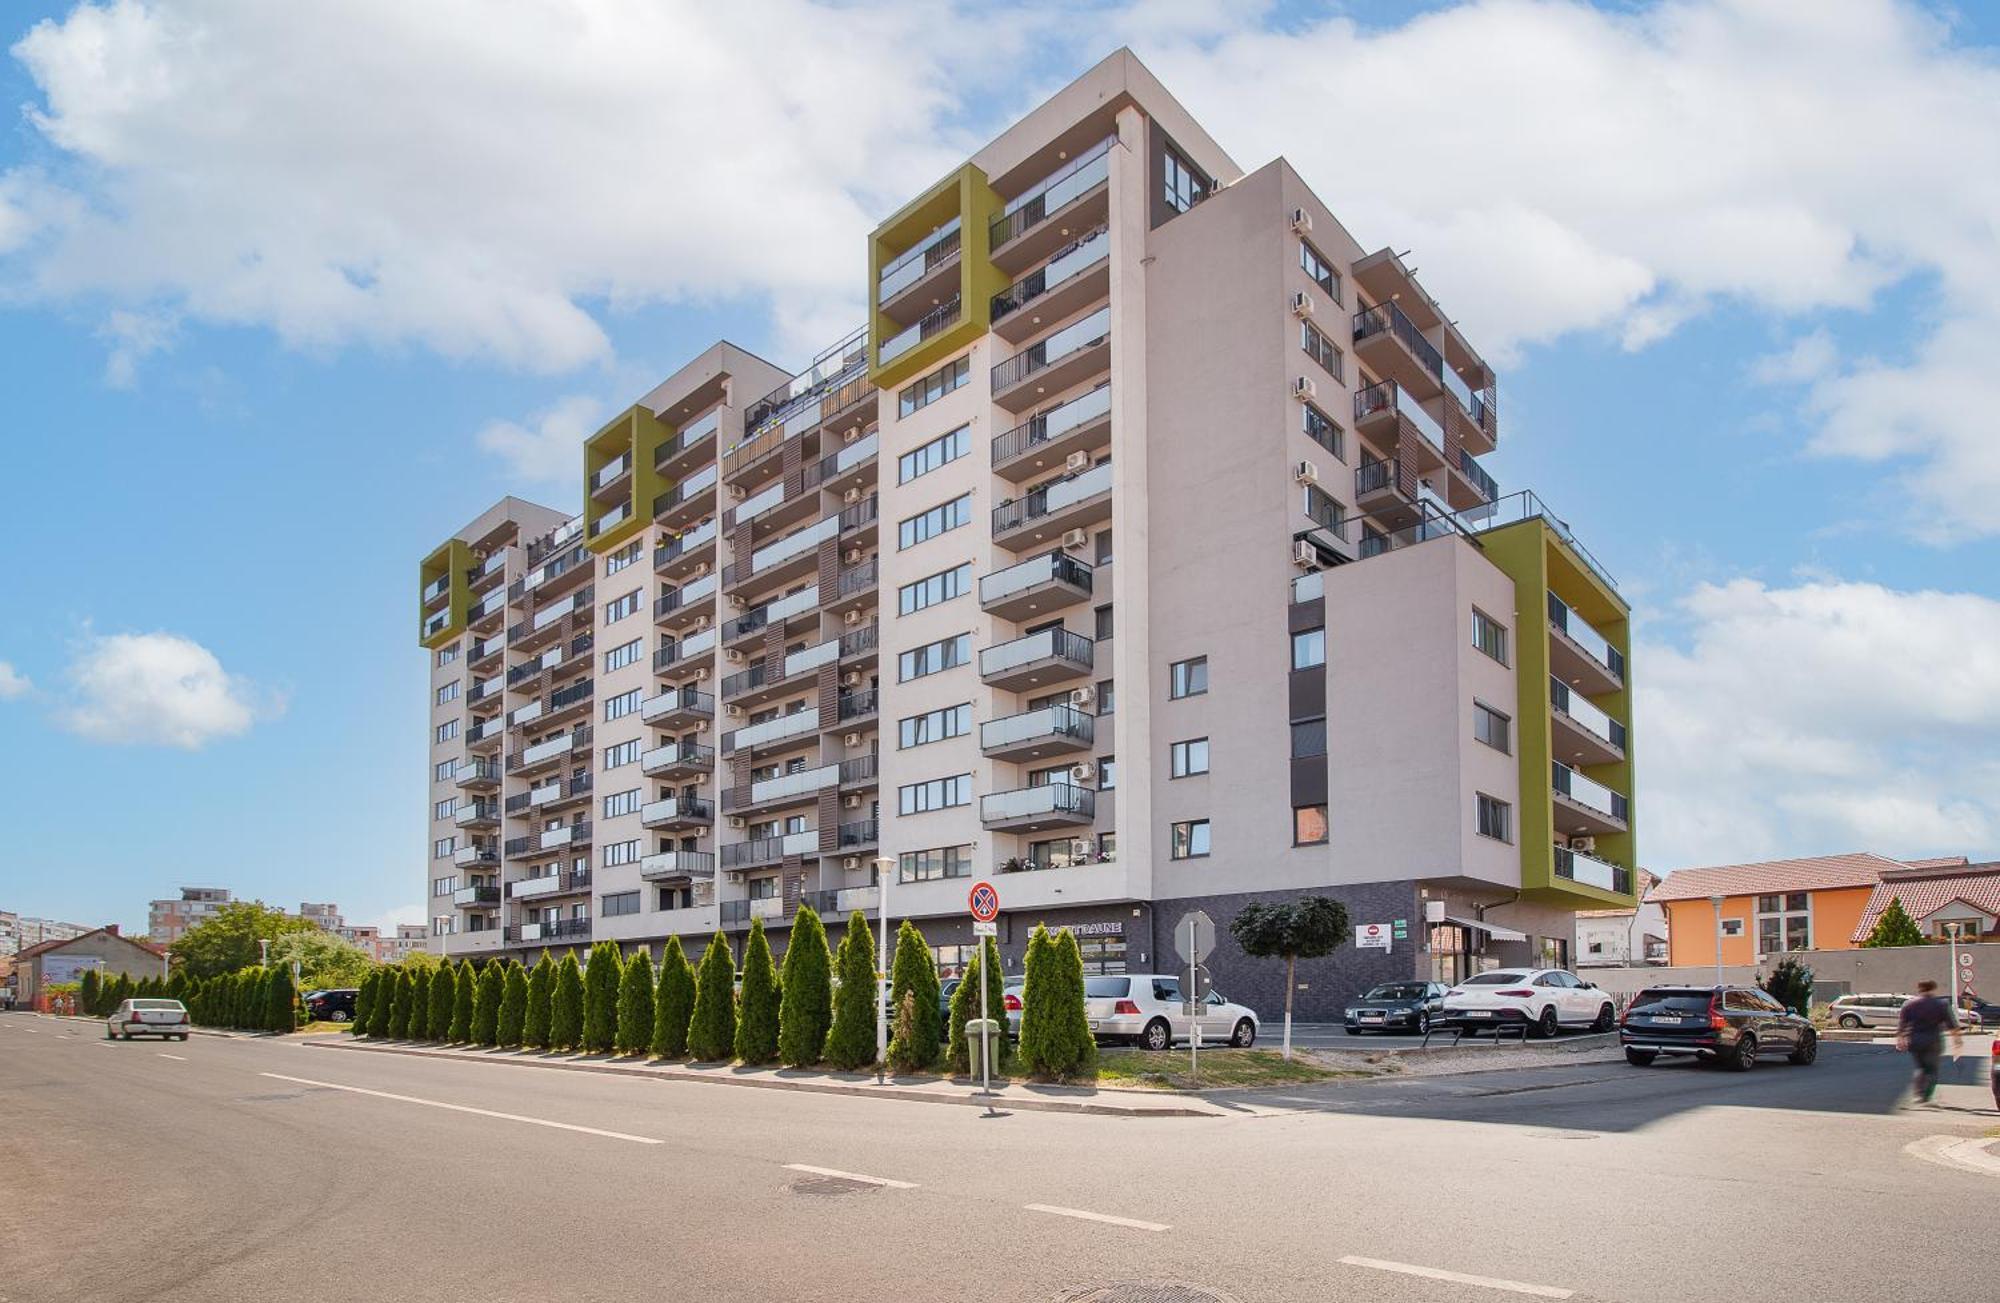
(1717, 902)
(885, 868)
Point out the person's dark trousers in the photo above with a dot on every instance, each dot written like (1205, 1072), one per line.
(1928, 1058)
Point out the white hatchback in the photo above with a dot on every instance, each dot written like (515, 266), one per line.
(1146, 1009)
(1539, 999)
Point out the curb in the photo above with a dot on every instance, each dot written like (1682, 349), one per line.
(1093, 1107)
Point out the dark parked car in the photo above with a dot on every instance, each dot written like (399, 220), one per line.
(1396, 1006)
(335, 1005)
(1734, 1025)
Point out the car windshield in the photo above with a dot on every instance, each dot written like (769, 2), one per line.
(1671, 1002)
(1397, 991)
(1495, 979)
(1106, 988)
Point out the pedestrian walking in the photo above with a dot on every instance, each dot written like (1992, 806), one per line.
(1920, 1031)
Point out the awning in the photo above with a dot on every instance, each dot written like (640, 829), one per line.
(1493, 930)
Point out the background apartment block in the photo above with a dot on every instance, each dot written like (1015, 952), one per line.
(167, 919)
(1136, 554)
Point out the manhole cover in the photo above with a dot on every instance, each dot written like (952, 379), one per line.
(829, 1185)
(1144, 1291)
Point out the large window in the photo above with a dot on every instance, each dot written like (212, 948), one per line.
(1319, 427)
(1321, 350)
(621, 853)
(1492, 727)
(1317, 267)
(1190, 839)
(934, 726)
(933, 656)
(1784, 923)
(924, 459)
(443, 847)
(937, 794)
(940, 587)
(1181, 186)
(623, 557)
(1188, 678)
(1308, 738)
(939, 862)
(445, 809)
(620, 607)
(620, 902)
(447, 655)
(940, 519)
(1489, 635)
(445, 771)
(922, 393)
(1188, 758)
(447, 730)
(625, 753)
(619, 657)
(1496, 818)
(623, 704)
(1308, 648)
(449, 692)
(621, 803)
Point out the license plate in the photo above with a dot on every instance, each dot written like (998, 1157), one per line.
(1093, 1024)
(1673, 1018)
(1478, 1013)
(1371, 1017)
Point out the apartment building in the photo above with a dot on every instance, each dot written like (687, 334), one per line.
(166, 920)
(1135, 555)
(17, 933)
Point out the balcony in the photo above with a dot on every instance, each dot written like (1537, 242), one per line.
(1060, 361)
(1583, 733)
(478, 814)
(545, 753)
(691, 650)
(1037, 734)
(677, 761)
(1077, 275)
(1039, 220)
(687, 499)
(860, 772)
(1389, 415)
(1470, 412)
(857, 835)
(784, 789)
(856, 587)
(1038, 809)
(1580, 654)
(476, 896)
(1586, 807)
(859, 705)
(771, 731)
(1049, 510)
(737, 856)
(476, 854)
(849, 899)
(553, 622)
(922, 275)
(532, 676)
(676, 707)
(666, 865)
(555, 540)
(1081, 424)
(565, 929)
(1394, 347)
(1477, 477)
(801, 606)
(933, 323)
(685, 606)
(567, 701)
(677, 812)
(1431, 522)
(611, 478)
(547, 579)
(434, 625)
(487, 612)
(1051, 582)
(674, 456)
(484, 734)
(475, 775)
(555, 794)
(683, 557)
(484, 650)
(1576, 866)
(549, 884)
(774, 563)
(1037, 661)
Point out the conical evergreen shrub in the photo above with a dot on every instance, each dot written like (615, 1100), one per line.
(757, 1019)
(513, 1004)
(90, 995)
(443, 998)
(399, 1006)
(635, 1004)
(850, 1043)
(541, 990)
(1040, 994)
(1079, 1045)
(712, 1026)
(486, 1004)
(420, 1001)
(985, 967)
(673, 1001)
(364, 1002)
(281, 1000)
(600, 997)
(384, 1002)
(566, 1008)
(805, 1009)
(914, 975)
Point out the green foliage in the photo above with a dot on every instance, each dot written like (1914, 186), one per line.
(443, 995)
(1790, 984)
(116, 992)
(486, 1005)
(712, 1025)
(850, 1044)
(541, 990)
(384, 1002)
(757, 1020)
(401, 1003)
(600, 997)
(281, 1000)
(513, 1004)
(566, 1008)
(985, 966)
(1311, 927)
(90, 994)
(464, 995)
(178, 984)
(324, 959)
(420, 1001)
(805, 1011)
(1895, 928)
(635, 1004)
(364, 1002)
(913, 982)
(673, 1001)
(226, 941)
(1056, 1043)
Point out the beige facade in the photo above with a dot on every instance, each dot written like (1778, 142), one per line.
(1129, 559)
(166, 920)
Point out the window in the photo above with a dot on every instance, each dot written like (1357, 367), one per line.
(1491, 727)
(623, 557)
(1187, 758)
(619, 902)
(922, 393)
(941, 862)
(1190, 839)
(1317, 267)
(1320, 349)
(444, 847)
(623, 704)
(619, 657)
(1103, 547)
(444, 771)
(763, 888)
(449, 692)
(1319, 427)
(933, 656)
(444, 925)
(621, 803)
(621, 853)
(444, 886)
(1496, 819)
(1308, 738)
(1308, 648)
(619, 608)
(940, 587)
(1489, 635)
(447, 730)
(445, 809)
(937, 794)
(1107, 773)
(1732, 927)
(1784, 923)
(447, 655)
(938, 520)
(1308, 825)
(925, 458)
(1107, 697)
(1182, 187)
(625, 753)
(1104, 626)
(934, 726)
(1188, 678)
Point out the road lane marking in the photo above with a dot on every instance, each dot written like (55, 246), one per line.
(1107, 1218)
(1459, 1277)
(852, 1176)
(466, 1108)
(175, 1057)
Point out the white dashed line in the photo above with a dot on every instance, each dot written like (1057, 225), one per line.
(1459, 1277)
(853, 1176)
(175, 1057)
(1107, 1218)
(466, 1108)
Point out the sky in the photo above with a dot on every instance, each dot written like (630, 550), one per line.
(289, 293)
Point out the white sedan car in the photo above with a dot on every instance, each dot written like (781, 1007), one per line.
(1146, 1009)
(162, 1018)
(1540, 999)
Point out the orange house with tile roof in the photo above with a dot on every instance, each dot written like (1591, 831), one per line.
(1769, 907)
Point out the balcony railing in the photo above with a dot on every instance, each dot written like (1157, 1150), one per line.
(687, 595)
(676, 809)
(860, 771)
(772, 730)
(611, 519)
(676, 755)
(859, 703)
(1585, 712)
(1590, 793)
(935, 322)
(1388, 319)
(701, 428)
(1052, 193)
(676, 701)
(1595, 644)
(833, 369)
(1575, 866)
(859, 579)
(476, 895)
(1030, 802)
(687, 490)
(565, 929)
(548, 570)
(860, 832)
(1388, 396)
(1047, 722)
(437, 588)
(783, 550)
(1043, 353)
(1489, 488)
(695, 538)
(1055, 566)
(859, 642)
(1052, 424)
(909, 266)
(764, 850)
(1047, 499)
(678, 864)
(1431, 523)
(778, 608)
(1071, 261)
(550, 884)
(1049, 644)
(611, 470)
(786, 786)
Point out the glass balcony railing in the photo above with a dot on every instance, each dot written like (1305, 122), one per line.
(675, 809)
(909, 266)
(1579, 631)
(934, 322)
(811, 658)
(1389, 396)
(678, 864)
(850, 456)
(675, 701)
(437, 588)
(798, 784)
(1046, 645)
(773, 730)
(689, 489)
(611, 519)
(1052, 193)
(687, 542)
(611, 470)
(1590, 793)
(831, 372)
(1575, 866)
(1043, 353)
(1047, 499)
(675, 755)
(1585, 712)
(555, 746)
(1068, 264)
(1471, 400)
(794, 544)
(1053, 423)
(1488, 487)
(701, 428)
(1030, 802)
(757, 504)
(1053, 566)
(1048, 722)
(436, 623)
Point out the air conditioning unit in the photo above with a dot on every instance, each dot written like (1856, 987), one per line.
(735, 657)
(1080, 772)
(852, 678)
(854, 556)
(1083, 698)
(1302, 304)
(1302, 221)
(735, 712)
(851, 739)
(853, 616)
(852, 801)
(1306, 473)
(737, 493)
(1077, 461)
(701, 674)
(735, 821)
(701, 568)
(1304, 555)
(852, 435)
(851, 496)
(850, 862)
(1075, 538)
(701, 726)
(701, 622)
(1588, 845)
(1304, 388)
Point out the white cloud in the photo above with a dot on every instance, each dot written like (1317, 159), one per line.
(13, 683)
(159, 689)
(134, 337)
(386, 923)
(1826, 716)
(550, 449)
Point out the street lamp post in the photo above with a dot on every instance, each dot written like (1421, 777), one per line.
(166, 964)
(1717, 902)
(885, 866)
(264, 951)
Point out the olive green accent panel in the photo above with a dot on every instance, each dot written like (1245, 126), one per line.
(635, 434)
(965, 194)
(450, 567)
(1539, 562)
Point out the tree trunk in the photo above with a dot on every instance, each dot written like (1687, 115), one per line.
(1291, 986)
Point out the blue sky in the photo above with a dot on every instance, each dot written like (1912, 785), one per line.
(271, 329)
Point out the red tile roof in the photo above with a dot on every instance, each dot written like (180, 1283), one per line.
(1925, 891)
(1812, 873)
(1941, 862)
(46, 946)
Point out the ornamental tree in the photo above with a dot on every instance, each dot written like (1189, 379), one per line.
(673, 1001)
(850, 1043)
(566, 1009)
(513, 1004)
(600, 996)
(635, 1004)
(464, 987)
(1311, 927)
(913, 981)
(757, 1020)
(486, 1004)
(1895, 928)
(805, 1011)
(712, 1026)
(541, 990)
(444, 996)
(985, 967)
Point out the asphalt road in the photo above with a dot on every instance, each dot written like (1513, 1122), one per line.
(224, 1170)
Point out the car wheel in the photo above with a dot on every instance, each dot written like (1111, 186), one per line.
(1246, 1035)
(1606, 1016)
(341, 1015)
(1157, 1036)
(1640, 1058)
(1808, 1050)
(1745, 1057)
(1353, 1031)
(1851, 1022)
(1423, 1024)
(1545, 1026)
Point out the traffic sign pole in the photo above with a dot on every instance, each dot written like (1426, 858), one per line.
(1194, 1006)
(984, 902)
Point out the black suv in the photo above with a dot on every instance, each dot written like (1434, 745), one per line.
(336, 1005)
(1726, 1024)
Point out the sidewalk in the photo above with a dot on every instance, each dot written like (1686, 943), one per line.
(1016, 1096)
